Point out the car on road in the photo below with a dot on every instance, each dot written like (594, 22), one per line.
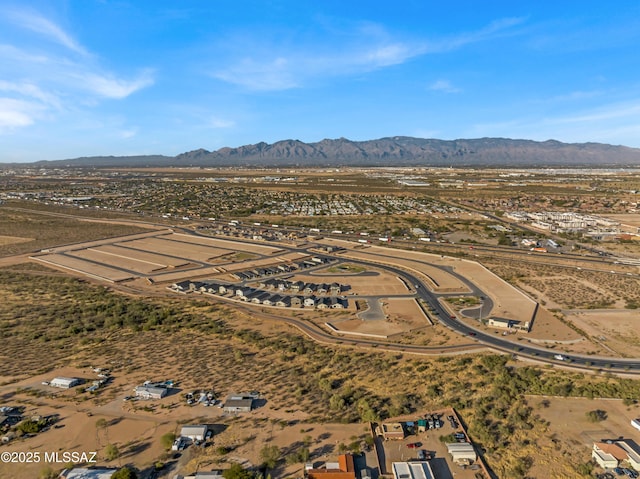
(471, 333)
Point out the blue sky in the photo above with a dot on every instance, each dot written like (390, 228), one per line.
(102, 77)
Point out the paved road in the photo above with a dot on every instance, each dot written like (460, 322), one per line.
(629, 366)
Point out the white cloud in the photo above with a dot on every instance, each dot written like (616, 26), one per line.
(368, 48)
(609, 123)
(110, 87)
(53, 81)
(276, 74)
(37, 23)
(30, 90)
(17, 113)
(444, 86)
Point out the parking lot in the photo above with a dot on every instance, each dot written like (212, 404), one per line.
(422, 442)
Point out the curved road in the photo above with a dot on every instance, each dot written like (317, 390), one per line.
(482, 339)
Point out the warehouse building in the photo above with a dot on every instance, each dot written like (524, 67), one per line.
(64, 383)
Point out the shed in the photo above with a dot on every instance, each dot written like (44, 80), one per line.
(64, 383)
(195, 432)
(150, 392)
(238, 404)
(461, 451)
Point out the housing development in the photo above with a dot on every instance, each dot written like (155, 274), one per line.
(319, 323)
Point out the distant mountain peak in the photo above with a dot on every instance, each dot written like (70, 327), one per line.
(388, 151)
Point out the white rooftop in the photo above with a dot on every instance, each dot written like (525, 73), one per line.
(412, 470)
(85, 473)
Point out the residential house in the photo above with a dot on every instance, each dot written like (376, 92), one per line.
(343, 469)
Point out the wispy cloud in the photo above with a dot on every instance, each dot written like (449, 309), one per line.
(35, 22)
(109, 86)
(444, 86)
(45, 80)
(276, 74)
(18, 113)
(216, 122)
(254, 65)
(610, 123)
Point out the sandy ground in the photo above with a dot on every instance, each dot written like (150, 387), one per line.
(618, 330)
(627, 219)
(438, 279)
(509, 302)
(402, 315)
(228, 244)
(13, 239)
(570, 431)
(380, 283)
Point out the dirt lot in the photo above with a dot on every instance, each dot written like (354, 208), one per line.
(618, 330)
(571, 434)
(509, 302)
(5, 240)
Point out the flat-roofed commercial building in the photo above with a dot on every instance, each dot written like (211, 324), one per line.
(412, 470)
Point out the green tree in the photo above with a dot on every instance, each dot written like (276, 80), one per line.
(167, 440)
(47, 473)
(270, 455)
(596, 415)
(125, 473)
(111, 452)
(236, 471)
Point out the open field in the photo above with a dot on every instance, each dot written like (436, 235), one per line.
(7, 240)
(571, 434)
(372, 283)
(75, 324)
(46, 231)
(228, 244)
(618, 330)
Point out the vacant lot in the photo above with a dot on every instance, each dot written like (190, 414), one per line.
(41, 230)
(618, 330)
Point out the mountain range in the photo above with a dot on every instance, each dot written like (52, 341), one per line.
(391, 151)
